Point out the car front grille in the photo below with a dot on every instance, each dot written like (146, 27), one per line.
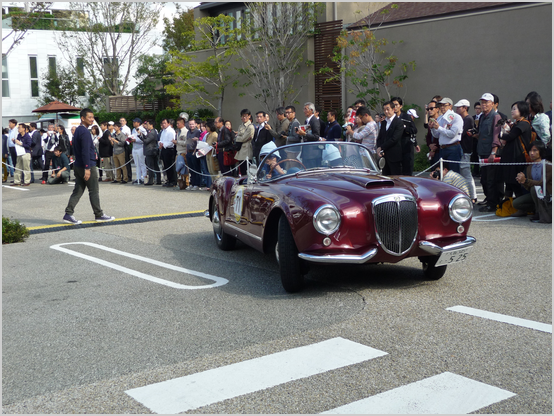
(395, 222)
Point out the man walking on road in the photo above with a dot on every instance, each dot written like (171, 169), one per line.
(86, 172)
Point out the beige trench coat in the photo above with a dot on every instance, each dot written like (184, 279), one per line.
(245, 134)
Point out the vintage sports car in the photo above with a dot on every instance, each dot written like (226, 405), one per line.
(327, 202)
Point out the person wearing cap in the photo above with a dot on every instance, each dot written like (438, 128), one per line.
(488, 143)
(137, 136)
(270, 168)
(448, 128)
(462, 108)
(409, 138)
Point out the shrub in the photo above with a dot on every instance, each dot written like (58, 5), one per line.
(13, 231)
(420, 159)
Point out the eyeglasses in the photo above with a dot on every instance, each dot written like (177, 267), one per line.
(288, 112)
(431, 108)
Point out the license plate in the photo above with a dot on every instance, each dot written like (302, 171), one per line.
(453, 256)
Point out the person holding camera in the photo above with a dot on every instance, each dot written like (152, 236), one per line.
(462, 108)
(448, 129)
(450, 177)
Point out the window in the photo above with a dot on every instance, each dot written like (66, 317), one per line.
(52, 65)
(110, 68)
(34, 76)
(80, 69)
(5, 83)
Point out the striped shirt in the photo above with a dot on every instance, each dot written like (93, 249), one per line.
(457, 180)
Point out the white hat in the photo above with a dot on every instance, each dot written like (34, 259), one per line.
(462, 103)
(330, 153)
(487, 97)
(268, 148)
(445, 101)
(412, 112)
(110, 123)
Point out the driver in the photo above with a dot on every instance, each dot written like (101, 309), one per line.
(270, 169)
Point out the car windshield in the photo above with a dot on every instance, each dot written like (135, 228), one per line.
(291, 159)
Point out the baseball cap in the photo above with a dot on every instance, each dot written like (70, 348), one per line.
(412, 112)
(137, 120)
(462, 103)
(110, 123)
(487, 97)
(446, 101)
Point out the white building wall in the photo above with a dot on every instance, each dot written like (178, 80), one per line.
(42, 44)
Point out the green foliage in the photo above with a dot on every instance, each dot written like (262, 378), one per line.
(179, 33)
(420, 159)
(64, 84)
(152, 77)
(202, 81)
(13, 231)
(371, 69)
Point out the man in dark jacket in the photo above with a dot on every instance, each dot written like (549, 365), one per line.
(225, 144)
(86, 172)
(150, 148)
(388, 142)
(5, 153)
(36, 150)
(105, 152)
(261, 135)
(408, 141)
(311, 155)
(60, 167)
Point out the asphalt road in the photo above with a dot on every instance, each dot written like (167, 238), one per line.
(79, 336)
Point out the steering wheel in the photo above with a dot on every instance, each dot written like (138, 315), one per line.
(283, 161)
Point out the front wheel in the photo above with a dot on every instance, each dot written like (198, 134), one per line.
(224, 241)
(290, 265)
(430, 271)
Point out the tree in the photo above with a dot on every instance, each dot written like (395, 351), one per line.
(371, 70)
(271, 46)
(110, 37)
(60, 85)
(201, 81)
(179, 33)
(152, 77)
(22, 22)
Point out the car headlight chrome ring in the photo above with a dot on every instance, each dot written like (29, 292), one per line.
(460, 208)
(327, 219)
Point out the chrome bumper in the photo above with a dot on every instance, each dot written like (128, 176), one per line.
(340, 258)
(436, 250)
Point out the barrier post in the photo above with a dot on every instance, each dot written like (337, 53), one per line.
(544, 177)
(440, 162)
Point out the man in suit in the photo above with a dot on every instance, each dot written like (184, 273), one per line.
(36, 150)
(311, 155)
(388, 142)
(224, 144)
(409, 140)
(261, 135)
(150, 149)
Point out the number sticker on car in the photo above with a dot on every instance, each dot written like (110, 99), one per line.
(237, 204)
(453, 256)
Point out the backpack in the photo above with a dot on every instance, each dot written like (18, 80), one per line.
(505, 208)
(533, 138)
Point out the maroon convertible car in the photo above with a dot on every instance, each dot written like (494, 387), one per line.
(327, 202)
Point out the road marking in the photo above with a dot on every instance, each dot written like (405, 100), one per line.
(502, 318)
(212, 386)
(445, 393)
(17, 188)
(219, 281)
(477, 219)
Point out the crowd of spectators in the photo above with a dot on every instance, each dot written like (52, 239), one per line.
(174, 153)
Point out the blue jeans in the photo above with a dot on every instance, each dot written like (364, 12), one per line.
(204, 169)
(454, 153)
(194, 166)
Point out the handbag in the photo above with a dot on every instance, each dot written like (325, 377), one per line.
(229, 157)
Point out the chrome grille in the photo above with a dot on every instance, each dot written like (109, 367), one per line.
(395, 222)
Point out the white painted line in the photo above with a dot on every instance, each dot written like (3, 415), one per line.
(497, 219)
(502, 318)
(219, 281)
(445, 393)
(212, 386)
(17, 188)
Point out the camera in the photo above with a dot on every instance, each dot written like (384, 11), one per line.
(436, 174)
(473, 131)
(501, 122)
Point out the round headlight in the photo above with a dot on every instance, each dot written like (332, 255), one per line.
(326, 220)
(461, 208)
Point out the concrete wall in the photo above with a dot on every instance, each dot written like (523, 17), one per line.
(508, 53)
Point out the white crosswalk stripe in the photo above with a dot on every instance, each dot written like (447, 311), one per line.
(201, 389)
(446, 393)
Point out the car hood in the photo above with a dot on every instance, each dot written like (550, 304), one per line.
(343, 188)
